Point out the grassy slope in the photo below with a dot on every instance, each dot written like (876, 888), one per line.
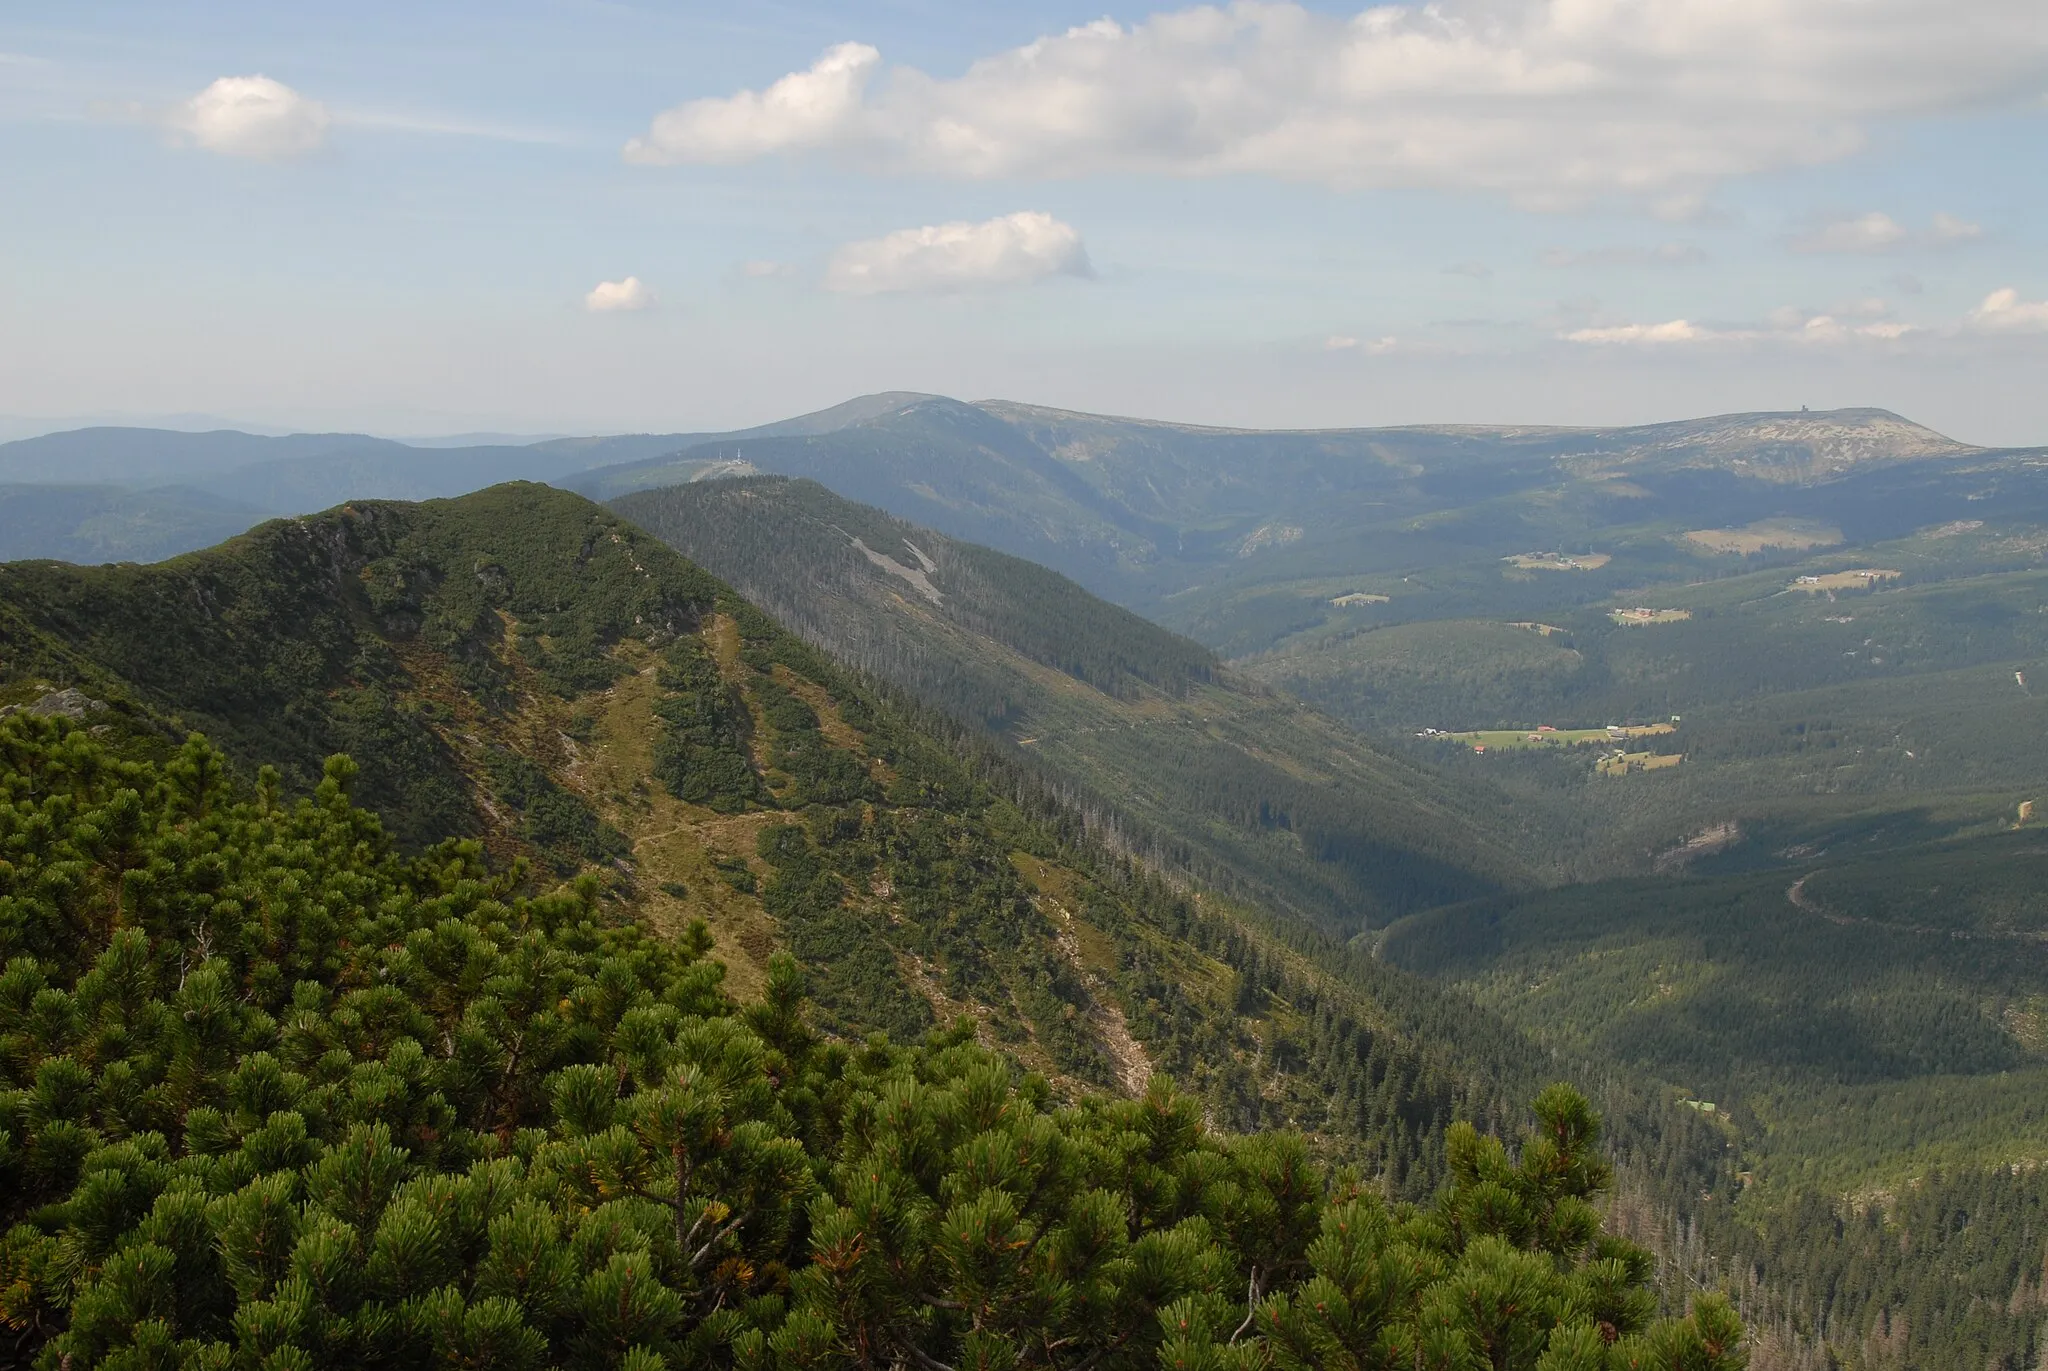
(1237, 780)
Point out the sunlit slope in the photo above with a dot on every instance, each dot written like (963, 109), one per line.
(1165, 746)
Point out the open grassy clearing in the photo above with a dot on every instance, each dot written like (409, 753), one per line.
(1357, 597)
(1862, 579)
(1792, 535)
(1626, 763)
(1558, 561)
(1543, 735)
(1640, 617)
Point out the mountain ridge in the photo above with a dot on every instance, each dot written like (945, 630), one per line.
(1143, 511)
(1122, 502)
(524, 669)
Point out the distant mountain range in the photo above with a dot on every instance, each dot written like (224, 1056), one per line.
(73, 495)
(1135, 509)
(1143, 511)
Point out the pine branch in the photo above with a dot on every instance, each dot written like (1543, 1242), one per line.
(698, 1256)
(1251, 1301)
(928, 1363)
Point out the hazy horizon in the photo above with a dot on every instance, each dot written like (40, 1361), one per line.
(15, 428)
(535, 218)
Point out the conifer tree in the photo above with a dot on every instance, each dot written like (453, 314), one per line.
(275, 1097)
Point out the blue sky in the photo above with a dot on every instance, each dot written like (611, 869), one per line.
(578, 217)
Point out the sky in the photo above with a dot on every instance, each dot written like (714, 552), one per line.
(580, 216)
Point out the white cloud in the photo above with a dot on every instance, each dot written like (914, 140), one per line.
(1389, 345)
(253, 116)
(1012, 250)
(1949, 229)
(1825, 328)
(804, 109)
(1662, 255)
(1550, 101)
(2004, 312)
(1784, 326)
(762, 269)
(1382, 347)
(1879, 232)
(1673, 331)
(1872, 232)
(609, 296)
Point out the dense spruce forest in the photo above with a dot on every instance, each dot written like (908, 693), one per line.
(1869, 1028)
(1038, 613)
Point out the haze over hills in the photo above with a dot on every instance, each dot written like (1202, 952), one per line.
(1381, 574)
(1469, 578)
(112, 523)
(221, 476)
(1142, 510)
(1136, 509)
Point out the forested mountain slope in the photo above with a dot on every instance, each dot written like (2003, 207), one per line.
(1842, 1009)
(1236, 783)
(526, 668)
(291, 1100)
(1872, 1069)
(1869, 1022)
(112, 523)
